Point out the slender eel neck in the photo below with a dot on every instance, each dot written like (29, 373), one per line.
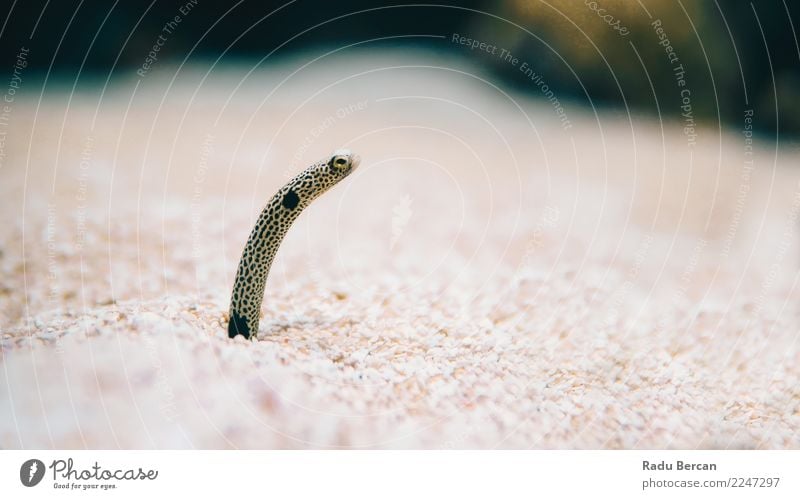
(265, 238)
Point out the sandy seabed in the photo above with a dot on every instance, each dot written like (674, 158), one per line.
(486, 279)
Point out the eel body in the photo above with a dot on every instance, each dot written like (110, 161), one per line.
(272, 225)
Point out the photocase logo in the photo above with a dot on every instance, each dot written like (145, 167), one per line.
(31, 472)
(66, 475)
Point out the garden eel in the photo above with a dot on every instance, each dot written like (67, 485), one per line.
(266, 236)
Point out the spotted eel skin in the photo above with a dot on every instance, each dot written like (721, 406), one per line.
(266, 236)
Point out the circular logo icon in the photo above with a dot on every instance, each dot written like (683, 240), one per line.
(31, 472)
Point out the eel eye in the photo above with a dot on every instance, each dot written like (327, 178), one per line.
(339, 161)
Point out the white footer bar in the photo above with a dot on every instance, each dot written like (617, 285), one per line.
(402, 474)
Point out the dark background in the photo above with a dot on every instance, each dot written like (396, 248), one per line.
(737, 55)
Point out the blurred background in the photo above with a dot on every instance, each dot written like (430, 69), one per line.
(735, 54)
